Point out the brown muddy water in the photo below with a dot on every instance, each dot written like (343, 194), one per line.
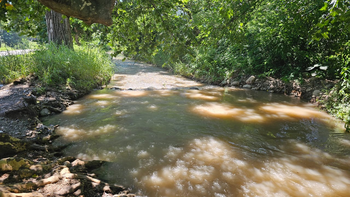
(209, 142)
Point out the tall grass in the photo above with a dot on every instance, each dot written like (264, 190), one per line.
(13, 67)
(58, 66)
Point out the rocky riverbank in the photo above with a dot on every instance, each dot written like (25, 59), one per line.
(312, 90)
(29, 164)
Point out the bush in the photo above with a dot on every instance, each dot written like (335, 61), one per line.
(83, 68)
(338, 102)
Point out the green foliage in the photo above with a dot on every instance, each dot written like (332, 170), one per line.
(11, 39)
(58, 66)
(338, 102)
(13, 67)
(84, 68)
(24, 16)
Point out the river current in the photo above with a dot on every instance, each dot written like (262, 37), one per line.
(164, 135)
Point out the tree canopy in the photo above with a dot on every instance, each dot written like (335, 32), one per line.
(92, 11)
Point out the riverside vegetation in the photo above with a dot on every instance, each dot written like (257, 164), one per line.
(58, 66)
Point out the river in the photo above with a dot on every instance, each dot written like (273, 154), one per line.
(164, 135)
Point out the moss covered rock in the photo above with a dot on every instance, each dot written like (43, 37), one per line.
(10, 145)
(13, 164)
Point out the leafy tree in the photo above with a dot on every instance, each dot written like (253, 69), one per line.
(11, 39)
(28, 17)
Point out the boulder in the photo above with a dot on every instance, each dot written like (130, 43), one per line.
(250, 80)
(235, 83)
(247, 86)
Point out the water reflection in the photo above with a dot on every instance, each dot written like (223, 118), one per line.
(223, 142)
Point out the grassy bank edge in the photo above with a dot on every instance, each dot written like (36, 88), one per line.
(83, 68)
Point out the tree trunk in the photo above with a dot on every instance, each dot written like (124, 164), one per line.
(58, 29)
(76, 36)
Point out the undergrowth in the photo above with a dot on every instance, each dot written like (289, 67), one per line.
(338, 104)
(58, 66)
(13, 67)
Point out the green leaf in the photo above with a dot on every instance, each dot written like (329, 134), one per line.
(325, 6)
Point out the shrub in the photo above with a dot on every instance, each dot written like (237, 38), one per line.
(83, 68)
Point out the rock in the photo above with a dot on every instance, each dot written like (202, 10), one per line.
(52, 179)
(94, 164)
(316, 93)
(10, 145)
(308, 89)
(45, 112)
(78, 162)
(77, 193)
(235, 83)
(224, 82)
(13, 164)
(194, 88)
(30, 100)
(9, 194)
(21, 81)
(115, 88)
(61, 161)
(25, 173)
(247, 86)
(63, 190)
(250, 80)
(329, 86)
